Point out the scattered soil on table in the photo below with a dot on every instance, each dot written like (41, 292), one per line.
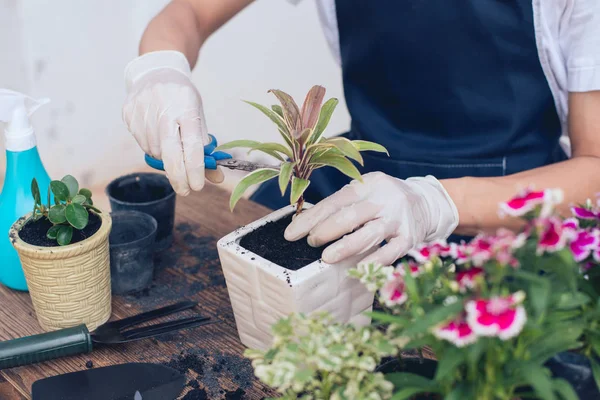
(269, 243)
(89, 364)
(196, 394)
(140, 191)
(235, 395)
(34, 232)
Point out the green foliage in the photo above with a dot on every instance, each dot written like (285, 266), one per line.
(313, 357)
(70, 209)
(304, 149)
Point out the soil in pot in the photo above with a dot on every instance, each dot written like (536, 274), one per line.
(34, 232)
(268, 242)
(415, 365)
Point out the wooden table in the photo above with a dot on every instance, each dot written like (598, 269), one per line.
(211, 355)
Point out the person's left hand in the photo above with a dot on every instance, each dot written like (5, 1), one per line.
(405, 213)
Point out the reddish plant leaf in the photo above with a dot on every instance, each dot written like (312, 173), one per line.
(291, 112)
(312, 107)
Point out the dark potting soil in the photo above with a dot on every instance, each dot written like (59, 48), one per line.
(34, 232)
(196, 394)
(140, 191)
(269, 243)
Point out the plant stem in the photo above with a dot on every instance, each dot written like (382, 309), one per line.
(299, 205)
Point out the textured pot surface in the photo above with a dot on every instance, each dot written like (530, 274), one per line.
(69, 285)
(262, 292)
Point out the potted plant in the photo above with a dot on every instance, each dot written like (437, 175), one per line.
(508, 316)
(64, 251)
(267, 276)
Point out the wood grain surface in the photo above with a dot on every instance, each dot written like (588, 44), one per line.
(211, 355)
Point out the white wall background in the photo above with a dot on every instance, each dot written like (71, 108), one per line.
(75, 51)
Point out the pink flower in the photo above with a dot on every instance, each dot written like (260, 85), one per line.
(552, 235)
(528, 200)
(503, 317)
(466, 278)
(480, 249)
(571, 224)
(415, 269)
(393, 292)
(427, 251)
(456, 331)
(583, 213)
(583, 245)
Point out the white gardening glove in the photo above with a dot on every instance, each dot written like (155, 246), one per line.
(406, 213)
(163, 111)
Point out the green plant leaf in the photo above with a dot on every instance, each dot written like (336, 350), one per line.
(273, 116)
(304, 135)
(49, 203)
(72, 184)
(53, 232)
(237, 144)
(35, 192)
(324, 118)
(60, 190)
(539, 295)
(388, 318)
(77, 215)
(311, 107)
(347, 148)
(460, 392)
(408, 393)
(277, 108)
(64, 235)
(86, 192)
(285, 174)
(449, 362)
(273, 147)
(340, 163)
(433, 317)
(79, 199)
(408, 384)
(536, 376)
(291, 113)
(56, 214)
(564, 389)
(363, 145)
(570, 300)
(253, 178)
(298, 188)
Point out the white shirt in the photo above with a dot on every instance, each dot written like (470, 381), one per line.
(568, 41)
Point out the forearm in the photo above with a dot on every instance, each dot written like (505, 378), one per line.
(477, 199)
(184, 25)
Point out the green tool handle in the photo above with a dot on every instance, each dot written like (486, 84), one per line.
(44, 347)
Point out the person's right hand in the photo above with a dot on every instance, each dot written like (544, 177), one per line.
(163, 111)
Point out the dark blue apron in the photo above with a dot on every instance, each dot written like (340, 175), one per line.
(451, 88)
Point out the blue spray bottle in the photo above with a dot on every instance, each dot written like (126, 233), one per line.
(23, 163)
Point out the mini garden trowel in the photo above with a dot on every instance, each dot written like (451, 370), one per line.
(214, 159)
(133, 381)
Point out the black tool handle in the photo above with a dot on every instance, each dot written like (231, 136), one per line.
(44, 347)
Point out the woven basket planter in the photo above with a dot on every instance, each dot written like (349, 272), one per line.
(69, 285)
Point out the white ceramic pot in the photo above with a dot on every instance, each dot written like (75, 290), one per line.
(262, 292)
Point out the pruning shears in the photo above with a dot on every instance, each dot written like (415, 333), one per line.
(214, 159)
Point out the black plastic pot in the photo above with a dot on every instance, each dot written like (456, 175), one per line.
(577, 370)
(131, 241)
(150, 193)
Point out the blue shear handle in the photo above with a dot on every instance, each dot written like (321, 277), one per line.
(210, 156)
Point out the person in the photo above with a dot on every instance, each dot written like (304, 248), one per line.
(472, 98)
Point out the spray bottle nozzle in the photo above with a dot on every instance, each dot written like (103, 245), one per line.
(15, 109)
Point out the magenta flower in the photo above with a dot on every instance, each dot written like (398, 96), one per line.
(415, 269)
(503, 317)
(456, 331)
(584, 244)
(466, 278)
(526, 201)
(571, 224)
(584, 213)
(393, 292)
(427, 251)
(552, 235)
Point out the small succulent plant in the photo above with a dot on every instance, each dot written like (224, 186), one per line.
(304, 149)
(70, 209)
